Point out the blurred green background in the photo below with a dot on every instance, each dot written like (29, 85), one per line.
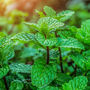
(14, 12)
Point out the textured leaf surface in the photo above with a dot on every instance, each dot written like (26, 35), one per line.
(20, 68)
(54, 54)
(49, 24)
(3, 71)
(65, 34)
(42, 74)
(65, 15)
(86, 55)
(79, 60)
(49, 11)
(33, 26)
(6, 53)
(6, 50)
(49, 88)
(46, 25)
(5, 41)
(16, 85)
(78, 83)
(70, 43)
(46, 42)
(83, 34)
(25, 37)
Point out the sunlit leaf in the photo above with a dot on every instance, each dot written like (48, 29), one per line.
(25, 37)
(49, 11)
(65, 15)
(46, 42)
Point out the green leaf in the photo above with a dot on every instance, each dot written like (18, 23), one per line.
(86, 54)
(54, 54)
(2, 85)
(46, 42)
(6, 53)
(70, 43)
(40, 38)
(33, 26)
(83, 34)
(16, 85)
(3, 71)
(42, 74)
(40, 13)
(21, 77)
(25, 37)
(65, 15)
(6, 50)
(78, 83)
(46, 25)
(79, 60)
(50, 42)
(49, 11)
(62, 78)
(5, 41)
(88, 64)
(49, 88)
(49, 24)
(20, 68)
(27, 52)
(65, 34)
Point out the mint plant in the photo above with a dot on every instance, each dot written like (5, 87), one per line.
(55, 55)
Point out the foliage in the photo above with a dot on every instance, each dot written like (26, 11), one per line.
(42, 74)
(2, 85)
(16, 85)
(49, 54)
(20, 68)
(78, 83)
(83, 33)
(3, 71)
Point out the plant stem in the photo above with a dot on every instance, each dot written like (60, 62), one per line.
(81, 52)
(4, 78)
(47, 55)
(60, 56)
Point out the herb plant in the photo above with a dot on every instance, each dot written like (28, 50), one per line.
(55, 55)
